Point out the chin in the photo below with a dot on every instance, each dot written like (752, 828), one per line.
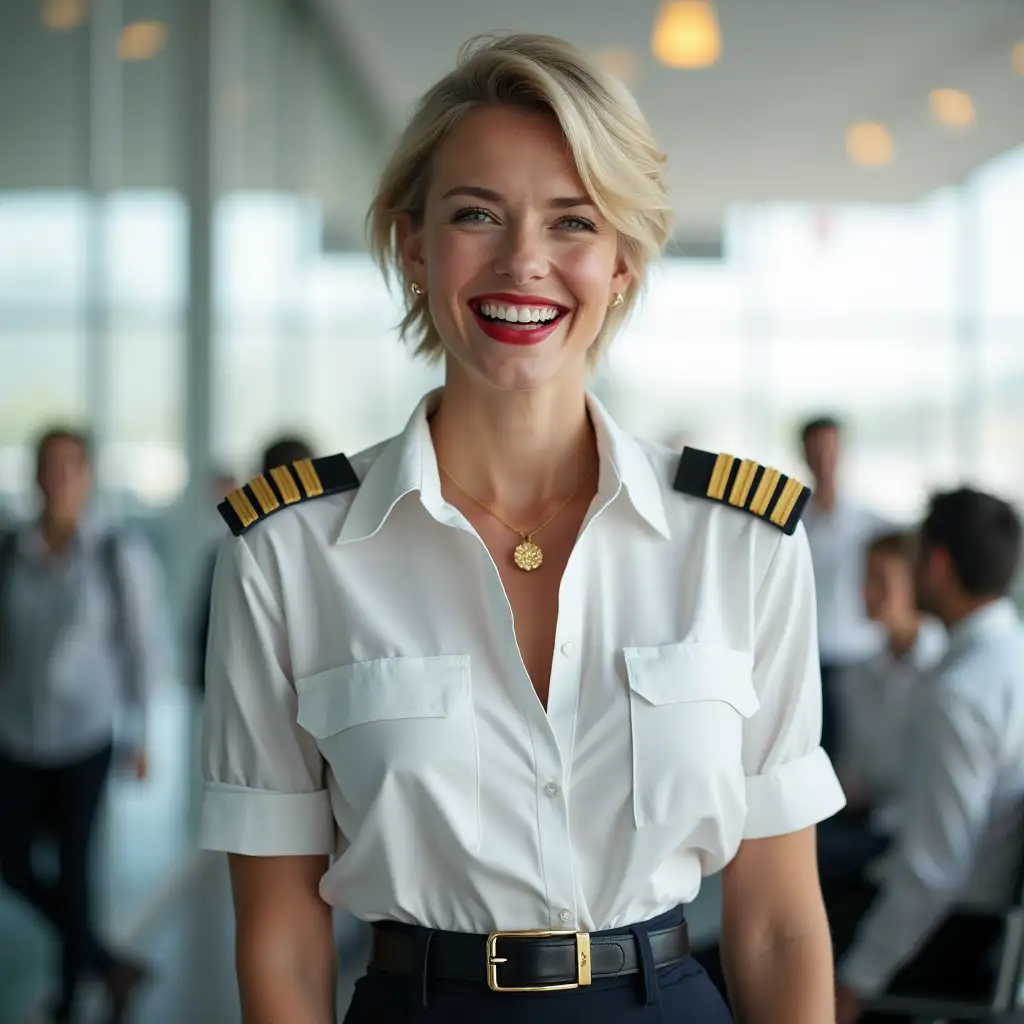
(524, 370)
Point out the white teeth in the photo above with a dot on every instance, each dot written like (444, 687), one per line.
(518, 314)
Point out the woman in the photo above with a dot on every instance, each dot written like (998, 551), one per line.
(501, 669)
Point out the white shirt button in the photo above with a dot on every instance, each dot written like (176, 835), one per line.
(566, 915)
(568, 647)
(552, 789)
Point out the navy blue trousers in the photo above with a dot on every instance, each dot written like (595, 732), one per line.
(682, 994)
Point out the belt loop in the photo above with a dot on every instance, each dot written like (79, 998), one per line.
(425, 980)
(648, 972)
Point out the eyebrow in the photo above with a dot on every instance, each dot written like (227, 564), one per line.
(489, 195)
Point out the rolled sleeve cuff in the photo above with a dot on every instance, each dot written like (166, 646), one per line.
(259, 823)
(792, 796)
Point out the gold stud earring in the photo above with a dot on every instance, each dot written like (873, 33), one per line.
(415, 289)
(618, 300)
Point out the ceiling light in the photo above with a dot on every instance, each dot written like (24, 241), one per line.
(617, 61)
(1018, 58)
(64, 15)
(952, 107)
(141, 40)
(686, 34)
(869, 144)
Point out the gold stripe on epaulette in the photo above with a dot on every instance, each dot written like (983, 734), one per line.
(309, 478)
(787, 502)
(264, 494)
(741, 486)
(286, 484)
(765, 489)
(243, 507)
(720, 476)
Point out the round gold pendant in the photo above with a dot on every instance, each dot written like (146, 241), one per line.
(528, 556)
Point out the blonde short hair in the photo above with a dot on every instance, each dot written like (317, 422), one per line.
(613, 149)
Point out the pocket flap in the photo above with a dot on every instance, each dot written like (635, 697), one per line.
(691, 671)
(381, 690)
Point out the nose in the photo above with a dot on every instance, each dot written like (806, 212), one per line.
(523, 254)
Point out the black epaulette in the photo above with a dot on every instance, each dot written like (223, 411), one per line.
(286, 485)
(744, 484)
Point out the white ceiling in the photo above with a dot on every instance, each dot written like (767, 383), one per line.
(768, 122)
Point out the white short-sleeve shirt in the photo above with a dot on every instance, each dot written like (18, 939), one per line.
(366, 699)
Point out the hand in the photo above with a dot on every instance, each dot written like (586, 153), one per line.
(139, 761)
(848, 1006)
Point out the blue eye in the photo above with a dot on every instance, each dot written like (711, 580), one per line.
(577, 224)
(473, 215)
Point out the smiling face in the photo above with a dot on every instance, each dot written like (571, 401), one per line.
(519, 265)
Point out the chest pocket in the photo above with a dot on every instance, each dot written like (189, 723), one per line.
(688, 703)
(399, 733)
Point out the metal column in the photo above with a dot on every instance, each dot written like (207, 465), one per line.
(197, 19)
(104, 147)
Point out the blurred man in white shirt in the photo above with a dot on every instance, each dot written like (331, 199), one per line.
(839, 531)
(929, 924)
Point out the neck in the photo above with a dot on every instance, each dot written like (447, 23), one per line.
(57, 532)
(514, 451)
(962, 608)
(825, 496)
(903, 635)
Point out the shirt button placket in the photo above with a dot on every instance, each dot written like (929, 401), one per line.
(553, 785)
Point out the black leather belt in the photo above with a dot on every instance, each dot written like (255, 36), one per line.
(522, 961)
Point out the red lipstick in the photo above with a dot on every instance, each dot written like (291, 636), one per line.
(515, 334)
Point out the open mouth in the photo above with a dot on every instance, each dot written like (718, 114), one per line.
(520, 317)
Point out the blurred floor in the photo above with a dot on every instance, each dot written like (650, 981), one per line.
(144, 856)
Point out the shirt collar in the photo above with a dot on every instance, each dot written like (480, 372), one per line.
(33, 546)
(408, 464)
(988, 622)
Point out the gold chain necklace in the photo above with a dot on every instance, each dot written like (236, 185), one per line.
(527, 555)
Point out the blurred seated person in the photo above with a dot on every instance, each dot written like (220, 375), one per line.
(920, 924)
(876, 701)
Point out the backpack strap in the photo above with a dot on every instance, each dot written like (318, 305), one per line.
(745, 485)
(8, 552)
(286, 485)
(126, 639)
(8, 549)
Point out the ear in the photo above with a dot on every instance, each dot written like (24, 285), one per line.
(410, 247)
(622, 279)
(942, 565)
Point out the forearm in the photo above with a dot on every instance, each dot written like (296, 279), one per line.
(295, 988)
(787, 980)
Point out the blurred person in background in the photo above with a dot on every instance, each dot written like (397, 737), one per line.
(876, 701)
(284, 450)
(404, 678)
(222, 483)
(78, 621)
(838, 530)
(279, 452)
(962, 815)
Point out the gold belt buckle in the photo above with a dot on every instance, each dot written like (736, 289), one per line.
(494, 961)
